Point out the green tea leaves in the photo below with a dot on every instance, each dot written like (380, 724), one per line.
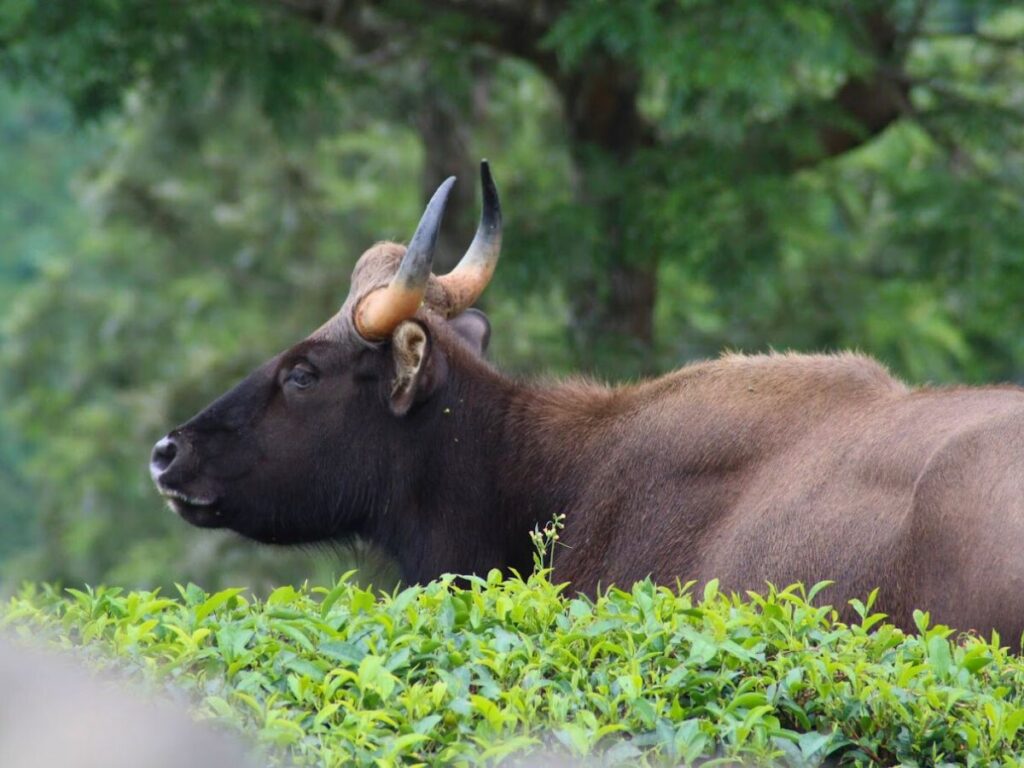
(503, 668)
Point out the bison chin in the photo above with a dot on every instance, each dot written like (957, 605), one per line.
(201, 513)
(201, 517)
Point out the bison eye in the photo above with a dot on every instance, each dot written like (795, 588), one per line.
(300, 378)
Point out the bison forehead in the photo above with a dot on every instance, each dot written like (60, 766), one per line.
(378, 265)
(375, 269)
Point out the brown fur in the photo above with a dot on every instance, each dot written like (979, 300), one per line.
(787, 468)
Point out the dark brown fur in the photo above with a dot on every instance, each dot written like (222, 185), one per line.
(778, 468)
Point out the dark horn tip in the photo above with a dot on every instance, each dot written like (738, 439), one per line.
(420, 253)
(492, 205)
(439, 200)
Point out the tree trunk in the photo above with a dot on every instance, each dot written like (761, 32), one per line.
(613, 308)
(613, 305)
(443, 120)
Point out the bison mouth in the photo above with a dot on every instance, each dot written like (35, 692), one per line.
(197, 510)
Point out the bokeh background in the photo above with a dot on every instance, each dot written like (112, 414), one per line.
(185, 186)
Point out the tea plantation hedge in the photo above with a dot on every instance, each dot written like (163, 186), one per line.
(504, 669)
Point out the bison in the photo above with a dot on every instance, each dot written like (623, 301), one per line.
(387, 423)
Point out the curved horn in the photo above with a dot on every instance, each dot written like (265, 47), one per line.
(467, 281)
(380, 311)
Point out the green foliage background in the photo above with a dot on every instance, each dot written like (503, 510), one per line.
(187, 186)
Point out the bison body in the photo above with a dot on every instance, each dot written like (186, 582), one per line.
(787, 468)
(387, 423)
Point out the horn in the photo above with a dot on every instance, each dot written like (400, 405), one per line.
(379, 312)
(464, 284)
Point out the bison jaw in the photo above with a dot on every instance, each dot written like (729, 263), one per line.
(197, 510)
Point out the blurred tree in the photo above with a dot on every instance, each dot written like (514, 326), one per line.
(729, 92)
(650, 90)
(677, 177)
(39, 152)
(198, 265)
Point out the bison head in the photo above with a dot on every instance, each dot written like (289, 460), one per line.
(325, 433)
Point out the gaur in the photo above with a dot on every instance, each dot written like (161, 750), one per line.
(387, 423)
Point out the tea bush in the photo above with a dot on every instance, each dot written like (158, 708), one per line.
(485, 670)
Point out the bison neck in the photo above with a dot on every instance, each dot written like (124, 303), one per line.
(502, 459)
(444, 512)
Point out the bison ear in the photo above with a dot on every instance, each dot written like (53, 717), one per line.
(417, 374)
(473, 327)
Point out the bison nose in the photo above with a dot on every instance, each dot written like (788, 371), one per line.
(164, 454)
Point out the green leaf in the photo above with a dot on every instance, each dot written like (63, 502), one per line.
(710, 590)
(338, 650)
(282, 596)
(748, 701)
(812, 743)
(939, 655)
(215, 601)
